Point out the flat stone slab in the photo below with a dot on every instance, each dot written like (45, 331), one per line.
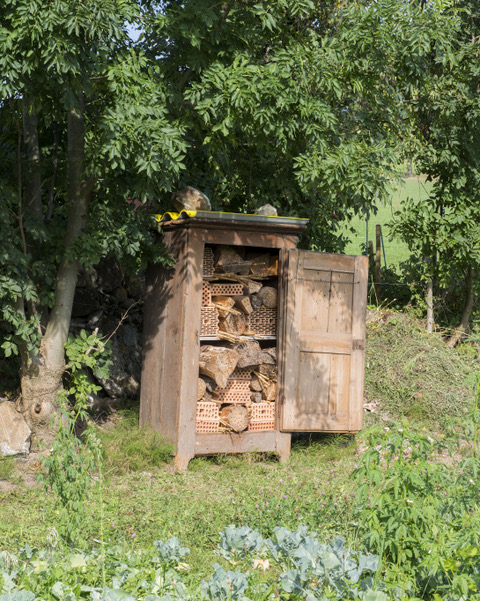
(14, 432)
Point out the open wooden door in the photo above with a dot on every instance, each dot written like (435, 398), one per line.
(324, 342)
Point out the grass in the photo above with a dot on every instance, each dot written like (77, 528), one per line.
(140, 507)
(409, 372)
(7, 468)
(396, 251)
(128, 448)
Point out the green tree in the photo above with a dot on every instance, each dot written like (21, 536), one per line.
(444, 228)
(294, 102)
(83, 126)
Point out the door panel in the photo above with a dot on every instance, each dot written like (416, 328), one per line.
(324, 342)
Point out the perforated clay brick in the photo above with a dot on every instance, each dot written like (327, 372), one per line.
(209, 321)
(226, 289)
(206, 427)
(208, 265)
(263, 321)
(208, 418)
(241, 374)
(206, 294)
(261, 426)
(236, 391)
(262, 412)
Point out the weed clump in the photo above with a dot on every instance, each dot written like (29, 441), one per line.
(413, 374)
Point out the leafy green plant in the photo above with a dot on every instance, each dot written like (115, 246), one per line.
(238, 542)
(319, 572)
(224, 585)
(419, 515)
(398, 494)
(69, 467)
(73, 460)
(171, 552)
(320, 568)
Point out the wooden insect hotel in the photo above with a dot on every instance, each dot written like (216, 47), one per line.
(248, 339)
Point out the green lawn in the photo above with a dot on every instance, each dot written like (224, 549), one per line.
(142, 506)
(396, 251)
(410, 375)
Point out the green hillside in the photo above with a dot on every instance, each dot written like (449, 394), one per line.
(396, 251)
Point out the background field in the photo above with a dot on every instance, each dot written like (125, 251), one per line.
(396, 251)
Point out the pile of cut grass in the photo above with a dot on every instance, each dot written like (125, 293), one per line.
(413, 374)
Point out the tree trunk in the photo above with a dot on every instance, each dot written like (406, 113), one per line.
(41, 378)
(33, 181)
(429, 300)
(466, 311)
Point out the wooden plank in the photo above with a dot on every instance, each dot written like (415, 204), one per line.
(339, 401)
(341, 300)
(322, 423)
(191, 301)
(357, 368)
(290, 348)
(319, 341)
(172, 353)
(323, 310)
(153, 337)
(330, 262)
(315, 307)
(313, 383)
(378, 272)
(283, 441)
(245, 238)
(160, 343)
(245, 227)
(245, 442)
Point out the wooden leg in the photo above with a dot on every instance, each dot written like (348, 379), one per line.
(283, 446)
(181, 462)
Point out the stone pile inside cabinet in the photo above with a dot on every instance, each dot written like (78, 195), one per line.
(237, 383)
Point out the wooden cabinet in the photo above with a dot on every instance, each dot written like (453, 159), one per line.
(320, 337)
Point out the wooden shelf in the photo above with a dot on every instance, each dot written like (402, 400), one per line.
(258, 338)
(223, 277)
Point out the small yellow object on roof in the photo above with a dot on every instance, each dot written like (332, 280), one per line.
(170, 215)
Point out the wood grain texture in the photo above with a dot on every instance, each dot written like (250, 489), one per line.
(161, 287)
(245, 442)
(242, 237)
(357, 373)
(329, 262)
(170, 384)
(190, 300)
(283, 443)
(290, 349)
(214, 225)
(283, 446)
(325, 313)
